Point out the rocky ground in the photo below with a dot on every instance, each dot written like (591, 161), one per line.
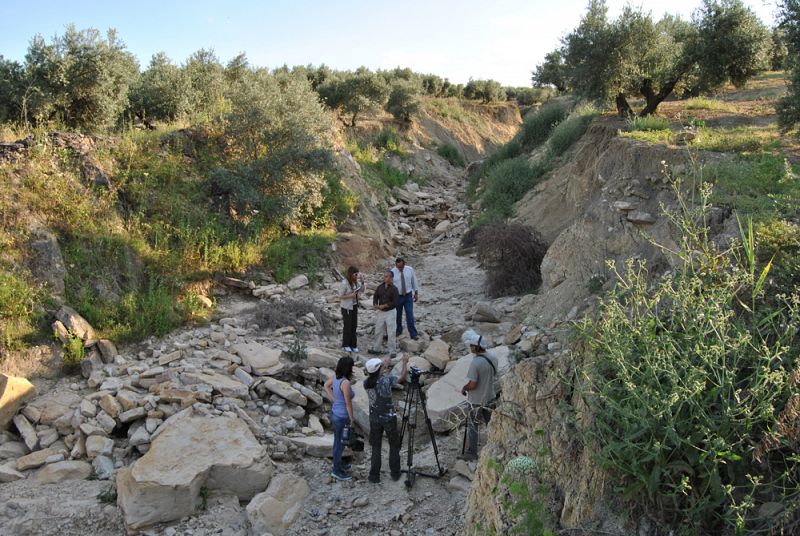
(181, 435)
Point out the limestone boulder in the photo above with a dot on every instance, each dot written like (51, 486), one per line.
(75, 323)
(321, 358)
(224, 385)
(55, 405)
(61, 471)
(298, 281)
(316, 446)
(262, 360)
(483, 312)
(438, 353)
(446, 405)
(189, 453)
(14, 392)
(36, 459)
(9, 474)
(284, 390)
(275, 510)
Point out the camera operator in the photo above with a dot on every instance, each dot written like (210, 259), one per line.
(382, 414)
(479, 390)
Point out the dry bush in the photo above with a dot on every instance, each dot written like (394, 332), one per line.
(512, 256)
(291, 312)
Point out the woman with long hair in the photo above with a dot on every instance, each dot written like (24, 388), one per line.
(348, 292)
(341, 395)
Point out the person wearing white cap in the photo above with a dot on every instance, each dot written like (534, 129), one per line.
(382, 414)
(479, 389)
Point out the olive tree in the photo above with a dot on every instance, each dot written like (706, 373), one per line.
(162, 91)
(284, 135)
(634, 55)
(789, 106)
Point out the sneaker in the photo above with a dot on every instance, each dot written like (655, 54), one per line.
(341, 477)
(354, 349)
(374, 479)
(346, 467)
(415, 337)
(347, 349)
(373, 351)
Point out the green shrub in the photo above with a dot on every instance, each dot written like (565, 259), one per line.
(569, 130)
(297, 350)
(647, 123)
(689, 377)
(452, 154)
(508, 182)
(521, 497)
(389, 140)
(72, 353)
(536, 128)
(302, 253)
(779, 241)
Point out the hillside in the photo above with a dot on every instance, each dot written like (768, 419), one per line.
(627, 194)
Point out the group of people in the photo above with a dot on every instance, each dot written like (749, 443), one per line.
(382, 413)
(396, 294)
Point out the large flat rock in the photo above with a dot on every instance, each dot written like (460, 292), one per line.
(446, 405)
(261, 359)
(55, 404)
(14, 392)
(218, 453)
(224, 385)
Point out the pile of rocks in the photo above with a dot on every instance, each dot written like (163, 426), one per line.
(424, 216)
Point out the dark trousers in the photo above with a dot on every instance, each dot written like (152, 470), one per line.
(406, 303)
(477, 415)
(350, 317)
(376, 431)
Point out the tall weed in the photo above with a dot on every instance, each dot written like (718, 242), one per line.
(689, 375)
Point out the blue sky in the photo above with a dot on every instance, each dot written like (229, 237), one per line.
(502, 39)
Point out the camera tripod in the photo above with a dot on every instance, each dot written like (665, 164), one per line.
(414, 398)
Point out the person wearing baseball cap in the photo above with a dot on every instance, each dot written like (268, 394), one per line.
(479, 389)
(382, 414)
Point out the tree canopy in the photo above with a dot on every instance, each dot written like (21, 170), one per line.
(635, 55)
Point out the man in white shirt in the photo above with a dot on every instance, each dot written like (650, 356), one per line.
(407, 287)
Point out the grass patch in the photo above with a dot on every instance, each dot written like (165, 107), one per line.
(714, 105)
(451, 108)
(647, 124)
(762, 186)
(747, 139)
(738, 139)
(19, 311)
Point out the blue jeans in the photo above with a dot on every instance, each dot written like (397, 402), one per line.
(338, 426)
(406, 302)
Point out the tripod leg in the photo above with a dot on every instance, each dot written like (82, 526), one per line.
(424, 403)
(405, 415)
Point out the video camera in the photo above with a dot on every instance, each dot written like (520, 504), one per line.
(415, 373)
